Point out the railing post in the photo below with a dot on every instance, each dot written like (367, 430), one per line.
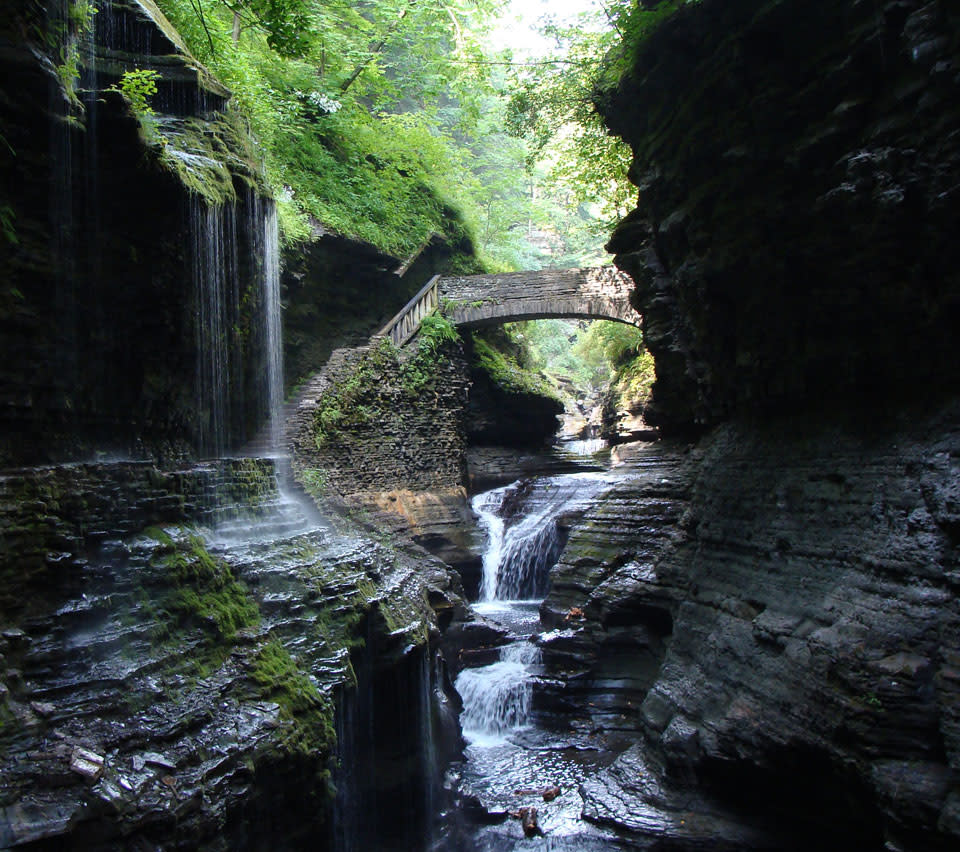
(406, 323)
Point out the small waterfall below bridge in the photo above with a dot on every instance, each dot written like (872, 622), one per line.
(510, 760)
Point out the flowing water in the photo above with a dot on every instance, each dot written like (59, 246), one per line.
(510, 759)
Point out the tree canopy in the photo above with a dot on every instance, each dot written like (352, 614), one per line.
(391, 120)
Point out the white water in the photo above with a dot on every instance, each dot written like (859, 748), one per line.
(214, 253)
(272, 325)
(519, 553)
(585, 446)
(234, 403)
(521, 549)
(496, 698)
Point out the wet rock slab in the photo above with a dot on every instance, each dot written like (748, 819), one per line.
(175, 685)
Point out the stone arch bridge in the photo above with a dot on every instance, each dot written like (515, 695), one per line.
(478, 300)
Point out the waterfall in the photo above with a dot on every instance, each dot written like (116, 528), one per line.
(271, 322)
(61, 201)
(214, 255)
(585, 446)
(523, 543)
(496, 698)
(485, 506)
(522, 548)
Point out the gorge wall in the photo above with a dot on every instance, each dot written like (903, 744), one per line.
(773, 610)
(792, 243)
(189, 656)
(136, 249)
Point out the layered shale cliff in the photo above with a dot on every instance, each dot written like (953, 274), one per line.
(772, 611)
(794, 240)
(136, 244)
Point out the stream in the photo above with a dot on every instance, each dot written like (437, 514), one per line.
(513, 759)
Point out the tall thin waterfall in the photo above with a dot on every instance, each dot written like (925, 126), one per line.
(61, 200)
(270, 318)
(215, 278)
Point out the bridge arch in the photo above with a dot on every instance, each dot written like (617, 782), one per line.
(471, 301)
(593, 293)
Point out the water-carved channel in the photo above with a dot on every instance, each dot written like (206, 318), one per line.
(517, 786)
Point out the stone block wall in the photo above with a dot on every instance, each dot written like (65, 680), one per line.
(388, 436)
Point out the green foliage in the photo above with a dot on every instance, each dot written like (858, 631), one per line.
(618, 343)
(436, 331)
(137, 87)
(588, 355)
(503, 357)
(552, 104)
(205, 590)
(314, 481)
(350, 402)
(363, 396)
(343, 99)
(67, 27)
(633, 380)
(420, 371)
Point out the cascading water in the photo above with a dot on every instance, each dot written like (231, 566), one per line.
(266, 332)
(496, 698)
(233, 400)
(521, 548)
(509, 759)
(214, 254)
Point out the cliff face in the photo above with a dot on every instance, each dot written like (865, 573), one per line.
(794, 235)
(133, 245)
(772, 612)
(196, 661)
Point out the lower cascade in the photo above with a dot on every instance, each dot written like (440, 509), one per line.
(496, 698)
(511, 762)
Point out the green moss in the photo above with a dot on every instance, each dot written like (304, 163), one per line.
(310, 713)
(206, 591)
(633, 380)
(354, 400)
(506, 371)
(162, 537)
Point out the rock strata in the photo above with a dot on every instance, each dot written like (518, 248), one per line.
(199, 685)
(794, 236)
(775, 615)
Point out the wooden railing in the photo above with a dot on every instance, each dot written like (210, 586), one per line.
(407, 322)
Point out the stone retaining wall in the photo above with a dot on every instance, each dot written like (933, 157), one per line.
(50, 515)
(390, 438)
